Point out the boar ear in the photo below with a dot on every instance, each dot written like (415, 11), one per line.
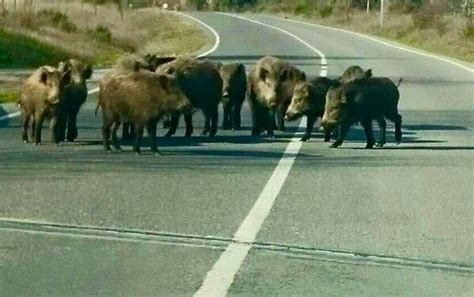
(240, 67)
(284, 74)
(263, 74)
(368, 73)
(87, 72)
(43, 75)
(303, 75)
(65, 78)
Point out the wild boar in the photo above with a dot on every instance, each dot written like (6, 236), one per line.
(149, 62)
(202, 84)
(354, 72)
(270, 88)
(75, 94)
(234, 79)
(139, 97)
(363, 100)
(309, 99)
(40, 96)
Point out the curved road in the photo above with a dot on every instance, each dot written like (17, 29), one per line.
(75, 220)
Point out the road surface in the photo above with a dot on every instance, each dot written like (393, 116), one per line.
(77, 221)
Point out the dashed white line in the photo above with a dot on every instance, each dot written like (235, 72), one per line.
(219, 279)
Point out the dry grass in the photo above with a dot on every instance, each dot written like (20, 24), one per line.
(139, 31)
(400, 28)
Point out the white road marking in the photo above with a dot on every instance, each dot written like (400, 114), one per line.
(384, 42)
(219, 279)
(217, 41)
(10, 115)
(17, 113)
(217, 38)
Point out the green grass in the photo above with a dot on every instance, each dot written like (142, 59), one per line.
(19, 51)
(8, 96)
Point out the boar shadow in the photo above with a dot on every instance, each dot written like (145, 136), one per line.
(429, 127)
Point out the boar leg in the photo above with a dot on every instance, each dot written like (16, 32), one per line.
(107, 123)
(227, 121)
(188, 120)
(271, 124)
(369, 134)
(115, 142)
(236, 120)
(309, 127)
(26, 123)
(341, 134)
(61, 127)
(214, 118)
(125, 130)
(257, 117)
(72, 127)
(383, 129)
(281, 116)
(56, 130)
(138, 140)
(151, 129)
(39, 118)
(174, 124)
(33, 128)
(398, 128)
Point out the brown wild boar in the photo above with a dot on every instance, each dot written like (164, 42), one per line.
(234, 89)
(40, 96)
(202, 84)
(75, 94)
(139, 97)
(270, 88)
(363, 100)
(149, 62)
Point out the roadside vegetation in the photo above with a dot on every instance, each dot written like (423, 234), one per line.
(440, 26)
(34, 33)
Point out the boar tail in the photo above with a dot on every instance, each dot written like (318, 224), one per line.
(399, 81)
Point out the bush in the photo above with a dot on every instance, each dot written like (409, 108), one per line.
(468, 32)
(101, 33)
(325, 11)
(27, 18)
(57, 19)
(303, 8)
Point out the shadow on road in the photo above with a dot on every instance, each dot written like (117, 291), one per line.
(429, 127)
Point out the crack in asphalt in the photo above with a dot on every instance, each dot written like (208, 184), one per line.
(221, 243)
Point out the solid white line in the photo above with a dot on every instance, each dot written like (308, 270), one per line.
(381, 41)
(217, 38)
(219, 279)
(18, 113)
(10, 115)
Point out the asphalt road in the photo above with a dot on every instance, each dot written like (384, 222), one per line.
(77, 221)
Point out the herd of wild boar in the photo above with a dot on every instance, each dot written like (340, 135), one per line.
(138, 92)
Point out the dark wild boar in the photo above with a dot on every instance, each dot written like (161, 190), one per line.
(234, 89)
(40, 96)
(75, 94)
(309, 99)
(202, 84)
(363, 100)
(270, 88)
(354, 72)
(139, 97)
